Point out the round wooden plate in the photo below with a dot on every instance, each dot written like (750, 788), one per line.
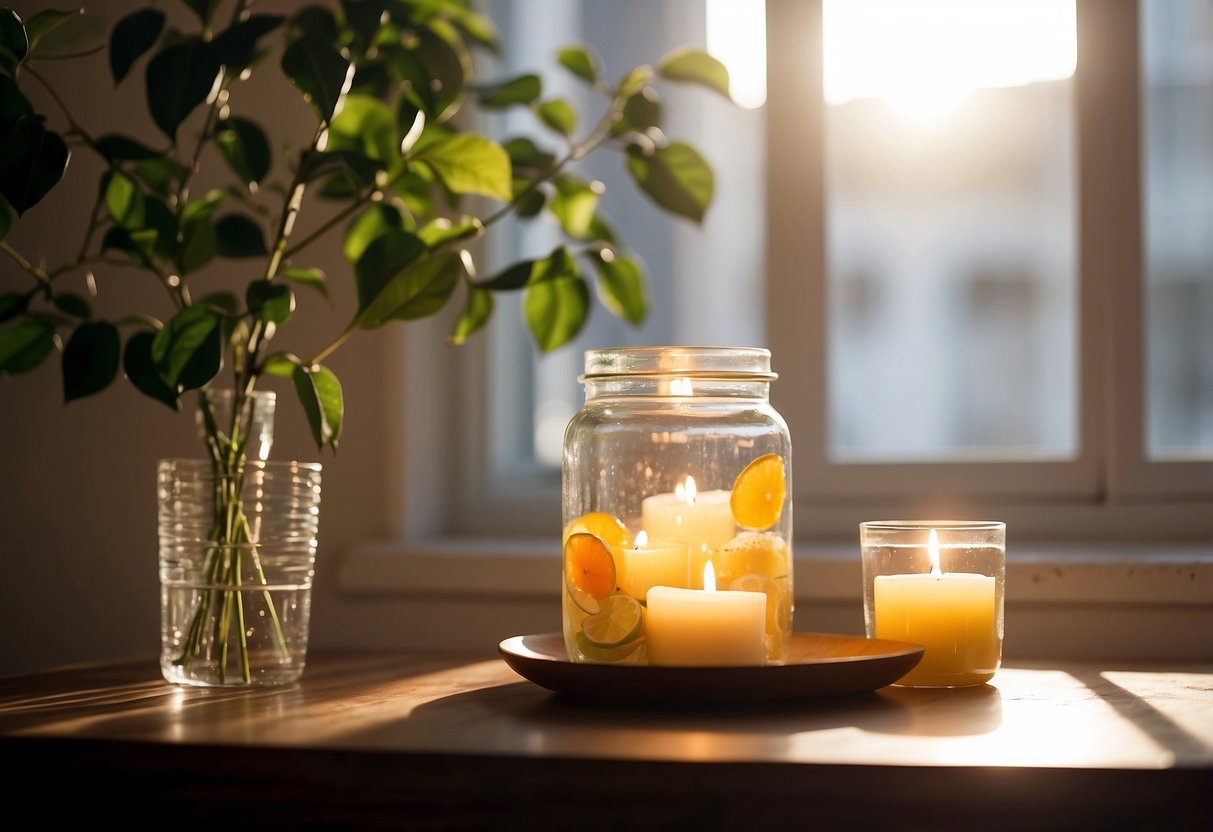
(818, 664)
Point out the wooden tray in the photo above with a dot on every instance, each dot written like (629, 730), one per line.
(818, 664)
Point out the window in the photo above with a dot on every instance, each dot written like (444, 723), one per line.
(986, 276)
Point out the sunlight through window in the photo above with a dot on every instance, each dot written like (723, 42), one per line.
(927, 57)
(737, 36)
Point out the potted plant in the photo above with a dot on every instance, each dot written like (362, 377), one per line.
(396, 156)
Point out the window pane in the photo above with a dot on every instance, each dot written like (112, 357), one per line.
(950, 177)
(1177, 44)
(705, 283)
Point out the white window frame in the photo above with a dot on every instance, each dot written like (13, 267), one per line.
(1109, 492)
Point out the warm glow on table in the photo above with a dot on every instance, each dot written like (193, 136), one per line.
(952, 615)
(702, 627)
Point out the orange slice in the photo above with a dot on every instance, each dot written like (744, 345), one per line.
(759, 492)
(610, 530)
(589, 570)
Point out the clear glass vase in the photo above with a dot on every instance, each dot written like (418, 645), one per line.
(677, 510)
(237, 553)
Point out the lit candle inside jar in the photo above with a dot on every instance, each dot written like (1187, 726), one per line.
(952, 615)
(705, 628)
(703, 520)
(655, 562)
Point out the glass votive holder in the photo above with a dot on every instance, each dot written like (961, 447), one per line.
(940, 584)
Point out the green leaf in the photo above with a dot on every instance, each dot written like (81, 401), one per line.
(527, 157)
(695, 67)
(315, 20)
(528, 203)
(431, 75)
(78, 34)
(441, 230)
(13, 304)
(25, 345)
(13, 104)
(521, 90)
(270, 302)
(236, 46)
(313, 278)
(558, 115)
(320, 394)
(32, 161)
(159, 217)
(555, 311)
(556, 266)
(621, 286)
(118, 148)
(281, 364)
(45, 22)
(90, 360)
(346, 162)
(476, 313)
(675, 177)
(634, 82)
(134, 35)
(320, 72)
(368, 126)
(245, 148)
(640, 112)
(238, 236)
(138, 244)
(417, 291)
(199, 244)
(188, 352)
(602, 231)
(479, 27)
(222, 302)
(371, 224)
(73, 305)
(574, 204)
(383, 258)
(470, 164)
(179, 78)
(123, 200)
(580, 61)
(141, 370)
(161, 175)
(13, 41)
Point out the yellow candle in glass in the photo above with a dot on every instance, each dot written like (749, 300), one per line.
(705, 628)
(952, 615)
(703, 519)
(655, 562)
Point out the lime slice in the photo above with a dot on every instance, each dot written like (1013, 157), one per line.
(629, 652)
(621, 621)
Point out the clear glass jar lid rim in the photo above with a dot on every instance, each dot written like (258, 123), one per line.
(749, 363)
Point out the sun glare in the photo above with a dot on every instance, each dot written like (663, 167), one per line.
(737, 37)
(926, 57)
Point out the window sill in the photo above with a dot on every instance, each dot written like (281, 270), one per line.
(524, 568)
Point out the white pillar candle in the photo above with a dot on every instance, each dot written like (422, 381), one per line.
(655, 562)
(704, 520)
(705, 628)
(952, 615)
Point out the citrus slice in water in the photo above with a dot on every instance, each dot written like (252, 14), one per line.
(620, 621)
(763, 553)
(758, 493)
(589, 570)
(610, 530)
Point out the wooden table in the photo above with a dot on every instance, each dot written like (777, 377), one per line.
(438, 741)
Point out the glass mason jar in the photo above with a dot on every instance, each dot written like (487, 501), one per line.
(677, 472)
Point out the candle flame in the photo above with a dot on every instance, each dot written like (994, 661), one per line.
(709, 577)
(642, 539)
(933, 553)
(686, 493)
